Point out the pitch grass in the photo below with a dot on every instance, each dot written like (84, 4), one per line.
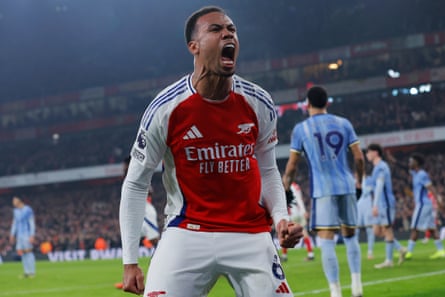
(419, 277)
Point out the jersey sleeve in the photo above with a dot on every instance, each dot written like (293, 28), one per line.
(352, 136)
(147, 152)
(296, 141)
(31, 222)
(267, 121)
(425, 179)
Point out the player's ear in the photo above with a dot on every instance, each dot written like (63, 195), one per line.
(193, 47)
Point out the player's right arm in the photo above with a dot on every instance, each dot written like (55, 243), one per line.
(291, 169)
(131, 214)
(147, 152)
(13, 231)
(378, 192)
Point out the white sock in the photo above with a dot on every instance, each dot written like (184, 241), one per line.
(335, 289)
(356, 284)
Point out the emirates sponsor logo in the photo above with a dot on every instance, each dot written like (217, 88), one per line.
(221, 158)
(218, 151)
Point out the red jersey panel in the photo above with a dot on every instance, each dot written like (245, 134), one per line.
(213, 145)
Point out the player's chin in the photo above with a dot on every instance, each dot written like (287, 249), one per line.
(227, 72)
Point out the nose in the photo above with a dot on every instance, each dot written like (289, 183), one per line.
(227, 34)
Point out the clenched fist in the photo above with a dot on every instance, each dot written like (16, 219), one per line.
(289, 233)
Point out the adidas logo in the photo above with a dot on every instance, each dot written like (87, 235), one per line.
(192, 133)
(283, 288)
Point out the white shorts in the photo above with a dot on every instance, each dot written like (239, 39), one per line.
(150, 225)
(331, 212)
(423, 218)
(188, 263)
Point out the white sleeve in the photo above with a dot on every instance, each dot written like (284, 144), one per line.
(272, 187)
(299, 198)
(132, 208)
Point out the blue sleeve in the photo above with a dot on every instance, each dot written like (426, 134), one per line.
(352, 136)
(425, 179)
(32, 224)
(13, 226)
(296, 142)
(379, 184)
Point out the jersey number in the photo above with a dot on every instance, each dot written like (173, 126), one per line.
(333, 140)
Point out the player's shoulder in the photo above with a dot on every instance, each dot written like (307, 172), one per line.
(382, 166)
(423, 173)
(256, 96)
(340, 119)
(174, 89)
(167, 99)
(250, 89)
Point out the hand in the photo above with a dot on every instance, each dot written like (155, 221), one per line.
(133, 279)
(375, 211)
(289, 233)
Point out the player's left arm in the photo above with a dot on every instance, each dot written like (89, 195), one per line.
(430, 187)
(274, 199)
(13, 231)
(32, 226)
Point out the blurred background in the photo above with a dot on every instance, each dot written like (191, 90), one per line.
(76, 76)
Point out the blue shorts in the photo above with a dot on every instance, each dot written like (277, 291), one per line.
(364, 216)
(423, 218)
(386, 216)
(331, 212)
(23, 243)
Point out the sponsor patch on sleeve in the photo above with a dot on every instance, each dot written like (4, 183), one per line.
(138, 155)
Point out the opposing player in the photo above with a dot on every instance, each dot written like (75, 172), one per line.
(384, 205)
(424, 214)
(23, 230)
(298, 214)
(365, 218)
(325, 140)
(216, 134)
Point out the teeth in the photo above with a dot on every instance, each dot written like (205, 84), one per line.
(230, 45)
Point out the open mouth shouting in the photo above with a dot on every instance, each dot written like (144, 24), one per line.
(228, 55)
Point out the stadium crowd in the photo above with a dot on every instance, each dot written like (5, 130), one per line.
(131, 104)
(375, 112)
(72, 216)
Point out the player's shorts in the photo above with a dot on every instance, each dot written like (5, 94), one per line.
(364, 215)
(386, 216)
(23, 243)
(331, 212)
(188, 263)
(423, 217)
(150, 227)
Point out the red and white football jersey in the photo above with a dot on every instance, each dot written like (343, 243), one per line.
(208, 149)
